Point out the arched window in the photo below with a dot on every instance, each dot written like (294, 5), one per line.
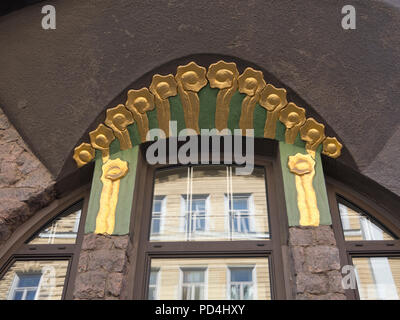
(208, 233)
(45, 253)
(368, 240)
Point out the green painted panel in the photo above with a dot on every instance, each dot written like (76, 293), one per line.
(235, 109)
(208, 102)
(293, 213)
(95, 192)
(134, 134)
(260, 116)
(152, 116)
(177, 112)
(126, 189)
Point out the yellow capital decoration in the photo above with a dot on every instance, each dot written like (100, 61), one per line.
(113, 172)
(303, 167)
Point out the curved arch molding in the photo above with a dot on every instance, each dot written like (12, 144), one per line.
(214, 98)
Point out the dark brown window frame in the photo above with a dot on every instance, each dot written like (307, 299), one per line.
(362, 248)
(16, 248)
(274, 248)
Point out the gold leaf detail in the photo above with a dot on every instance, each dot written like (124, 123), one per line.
(293, 117)
(139, 102)
(101, 139)
(190, 79)
(303, 166)
(83, 154)
(118, 119)
(313, 133)
(272, 99)
(251, 82)
(113, 172)
(163, 87)
(331, 147)
(223, 75)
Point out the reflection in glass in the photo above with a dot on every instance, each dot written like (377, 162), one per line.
(153, 284)
(241, 283)
(62, 230)
(210, 203)
(211, 278)
(378, 278)
(34, 280)
(359, 226)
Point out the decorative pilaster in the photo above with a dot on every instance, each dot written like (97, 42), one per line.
(312, 245)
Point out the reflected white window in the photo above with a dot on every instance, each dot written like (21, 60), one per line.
(195, 213)
(357, 225)
(153, 284)
(193, 283)
(241, 286)
(209, 203)
(378, 278)
(25, 286)
(62, 230)
(157, 214)
(240, 213)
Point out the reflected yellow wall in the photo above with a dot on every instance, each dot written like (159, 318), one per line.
(174, 184)
(169, 276)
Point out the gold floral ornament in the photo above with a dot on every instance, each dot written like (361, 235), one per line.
(101, 139)
(303, 168)
(313, 133)
(223, 75)
(113, 172)
(273, 100)
(118, 119)
(251, 82)
(139, 102)
(331, 147)
(293, 117)
(163, 87)
(190, 79)
(83, 154)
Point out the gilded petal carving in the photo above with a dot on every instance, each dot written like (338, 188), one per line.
(190, 79)
(251, 82)
(118, 119)
(303, 168)
(163, 87)
(83, 154)
(113, 172)
(313, 133)
(331, 147)
(138, 103)
(293, 117)
(101, 139)
(223, 75)
(274, 100)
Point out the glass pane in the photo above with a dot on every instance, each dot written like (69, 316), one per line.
(358, 226)
(18, 295)
(50, 287)
(152, 293)
(378, 278)
(153, 277)
(241, 274)
(28, 280)
(190, 278)
(62, 230)
(193, 276)
(30, 295)
(211, 203)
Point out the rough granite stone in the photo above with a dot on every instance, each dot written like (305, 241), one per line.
(102, 255)
(316, 263)
(25, 184)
